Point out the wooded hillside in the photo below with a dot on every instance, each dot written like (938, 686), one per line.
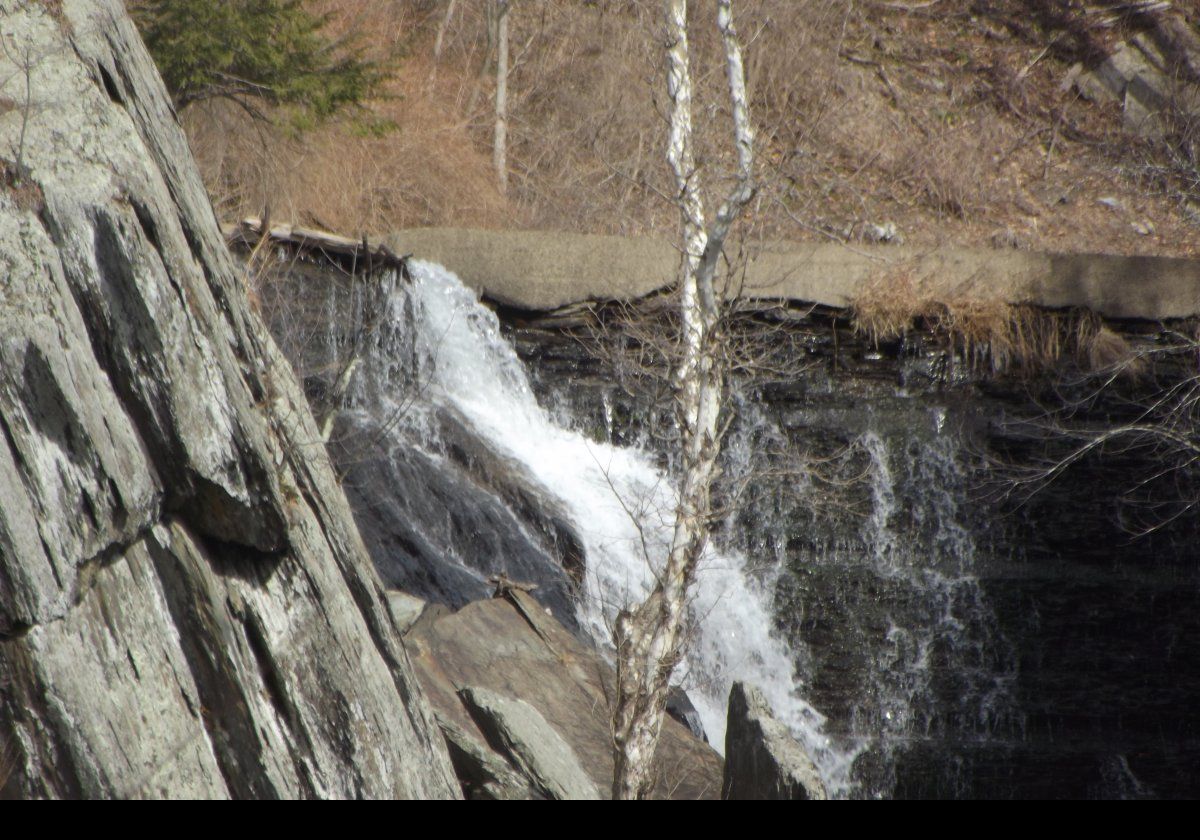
(945, 122)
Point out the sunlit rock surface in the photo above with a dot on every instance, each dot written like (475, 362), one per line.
(186, 608)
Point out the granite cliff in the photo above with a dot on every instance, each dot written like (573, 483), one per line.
(186, 608)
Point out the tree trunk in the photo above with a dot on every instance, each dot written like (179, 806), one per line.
(500, 142)
(439, 42)
(649, 638)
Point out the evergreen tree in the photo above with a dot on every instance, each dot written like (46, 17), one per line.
(253, 52)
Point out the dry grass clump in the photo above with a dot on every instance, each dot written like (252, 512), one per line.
(995, 337)
(427, 170)
(990, 335)
(889, 306)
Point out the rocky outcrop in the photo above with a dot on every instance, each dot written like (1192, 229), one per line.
(482, 773)
(443, 528)
(186, 608)
(522, 734)
(1154, 77)
(511, 648)
(762, 759)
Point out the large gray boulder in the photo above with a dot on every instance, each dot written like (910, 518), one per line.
(762, 759)
(482, 772)
(532, 745)
(513, 647)
(186, 608)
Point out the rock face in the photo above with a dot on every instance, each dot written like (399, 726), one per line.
(762, 760)
(441, 512)
(186, 608)
(482, 773)
(437, 527)
(511, 648)
(1152, 75)
(1063, 614)
(531, 744)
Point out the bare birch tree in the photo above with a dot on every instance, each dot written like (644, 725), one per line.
(500, 141)
(649, 637)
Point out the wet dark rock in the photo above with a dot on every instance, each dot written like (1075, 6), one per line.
(435, 533)
(680, 707)
(1017, 645)
(762, 759)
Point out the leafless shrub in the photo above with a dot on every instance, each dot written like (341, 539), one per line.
(1144, 409)
(636, 341)
(949, 174)
(1172, 159)
(762, 344)
(585, 128)
(426, 171)
(952, 165)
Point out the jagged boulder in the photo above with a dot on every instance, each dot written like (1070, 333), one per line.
(531, 744)
(186, 608)
(481, 771)
(762, 759)
(1154, 77)
(513, 647)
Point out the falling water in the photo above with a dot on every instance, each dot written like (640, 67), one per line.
(903, 603)
(936, 561)
(442, 350)
(893, 584)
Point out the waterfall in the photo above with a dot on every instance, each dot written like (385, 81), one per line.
(878, 581)
(442, 350)
(937, 564)
(891, 581)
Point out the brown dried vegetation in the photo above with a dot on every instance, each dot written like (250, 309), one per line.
(950, 120)
(991, 335)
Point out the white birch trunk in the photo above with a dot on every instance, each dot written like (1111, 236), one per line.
(649, 637)
(439, 42)
(500, 143)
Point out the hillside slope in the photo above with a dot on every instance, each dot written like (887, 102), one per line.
(955, 122)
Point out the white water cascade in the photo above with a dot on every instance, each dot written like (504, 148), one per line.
(445, 352)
